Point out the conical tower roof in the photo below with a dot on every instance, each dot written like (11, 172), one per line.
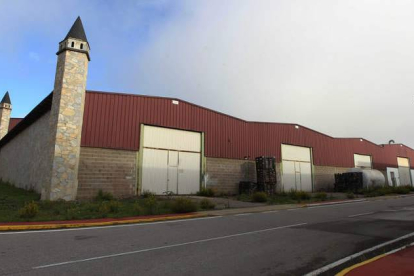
(6, 99)
(77, 31)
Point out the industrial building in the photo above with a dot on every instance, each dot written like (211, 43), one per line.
(77, 142)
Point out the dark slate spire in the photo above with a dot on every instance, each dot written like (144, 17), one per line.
(77, 31)
(6, 99)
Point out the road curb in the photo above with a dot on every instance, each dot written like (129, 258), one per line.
(50, 225)
(348, 262)
(349, 269)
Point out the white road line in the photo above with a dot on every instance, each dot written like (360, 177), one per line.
(362, 214)
(268, 212)
(294, 209)
(335, 205)
(167, 246)
(356, 255)
(106, 227)
(391, 210)
(244, 214)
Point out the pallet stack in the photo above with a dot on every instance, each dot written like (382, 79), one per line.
(350, 181)
(266, 174)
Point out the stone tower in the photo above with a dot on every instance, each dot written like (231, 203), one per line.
(5, 111)
(66, 116)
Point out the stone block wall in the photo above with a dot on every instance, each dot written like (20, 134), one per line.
(324, 177)
(113, 171)
(66, 125)
(5, 112)
(25, 161)
(224, 175)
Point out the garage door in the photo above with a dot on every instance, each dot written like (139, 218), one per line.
(296, 168)
(404, 171)
(171, 161)
(362, 161)
(393, 177)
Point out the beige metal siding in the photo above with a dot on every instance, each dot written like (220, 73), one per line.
(403, 162)
(362, 161)
(172, 139)
(296, 153)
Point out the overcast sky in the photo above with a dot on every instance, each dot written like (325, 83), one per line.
(344, 68)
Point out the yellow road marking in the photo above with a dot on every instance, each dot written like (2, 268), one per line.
(347, 270)
(89, 224)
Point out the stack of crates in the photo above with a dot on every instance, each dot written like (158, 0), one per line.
(350, 181)
(266, 174)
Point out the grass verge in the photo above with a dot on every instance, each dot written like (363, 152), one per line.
(18, 205)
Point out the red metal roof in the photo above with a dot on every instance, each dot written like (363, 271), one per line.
(14, 122)
(113, 120)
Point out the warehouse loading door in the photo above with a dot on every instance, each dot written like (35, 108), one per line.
(172, 181)
(171, 161)
(296, 168)
(404, 171)
(362, 161)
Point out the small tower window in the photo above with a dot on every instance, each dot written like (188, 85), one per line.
(73, 44)
(81, 46)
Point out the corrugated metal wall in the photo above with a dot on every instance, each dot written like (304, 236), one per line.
(113, 121)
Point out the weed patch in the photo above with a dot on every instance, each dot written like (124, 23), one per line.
(183, 205)
(206, 204)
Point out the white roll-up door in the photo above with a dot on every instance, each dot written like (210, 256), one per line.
(393, 177)
(296, 168)
(154, 174)
(171, 160)
(412, 177)
(404, 171)
(363, 161)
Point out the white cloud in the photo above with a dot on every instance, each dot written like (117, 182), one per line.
(340, 67)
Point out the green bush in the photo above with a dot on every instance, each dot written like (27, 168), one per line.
(207, 204)
(29, 210)
(107, 207)
(72, 213)
(207, 192)
(151, 204)
(137, 209)
(183, 205)
(350, 195)
(104, 196)
(259, 197)
(385, 190)
(244, 197)
(299, 195)
(322, 196)
(402, 190)
(147, 194)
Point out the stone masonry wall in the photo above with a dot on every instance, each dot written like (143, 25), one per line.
(113, 171)
(324, 177)
(66, 125)
(224, 175)
(24, 161)
(5, 112)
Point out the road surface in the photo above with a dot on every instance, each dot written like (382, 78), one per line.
(289, 242)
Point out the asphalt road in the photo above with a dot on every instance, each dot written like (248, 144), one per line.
(290, 242)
